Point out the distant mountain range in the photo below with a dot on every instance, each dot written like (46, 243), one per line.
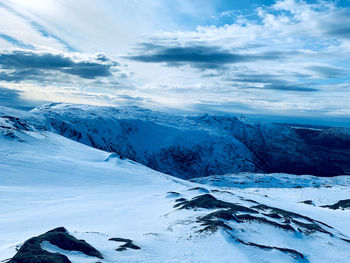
(202, 145)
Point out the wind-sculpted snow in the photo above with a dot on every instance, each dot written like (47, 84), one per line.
(258, 228)
(196, 146)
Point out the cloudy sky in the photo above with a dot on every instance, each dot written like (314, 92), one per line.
(285, 60)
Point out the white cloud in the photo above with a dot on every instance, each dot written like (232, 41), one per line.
(306, 50)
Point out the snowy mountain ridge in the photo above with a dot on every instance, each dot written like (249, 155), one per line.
(202, 145)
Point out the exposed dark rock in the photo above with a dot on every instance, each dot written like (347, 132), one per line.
(231, 213)
(291, 252)
(221, 191)
(262, 220)
(172, 194)
(17, 123)
(310, 227)
(200, 189)
(180, 199)
(307, 202)
(342, 204)
(273, 215)
(346, 240)
(222, 214)
(128, 243)
(286, 214)
(295, 254)
(210, 202)
(250, 200)
(119, 239)
(213, 226)
(31, 251)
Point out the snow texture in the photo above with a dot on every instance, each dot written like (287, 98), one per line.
(47, 180)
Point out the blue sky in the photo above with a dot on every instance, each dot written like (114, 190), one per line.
(285, 60)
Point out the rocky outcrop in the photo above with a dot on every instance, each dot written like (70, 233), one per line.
(32, 252)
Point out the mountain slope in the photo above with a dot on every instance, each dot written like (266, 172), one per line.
(48, 181)
(193, 146)
(332, 144)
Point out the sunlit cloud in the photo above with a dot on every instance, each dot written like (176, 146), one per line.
(285, 57)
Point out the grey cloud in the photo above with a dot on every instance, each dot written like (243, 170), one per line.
(270, 82)
(12, 98)
(288, 87)
(88, 70)
(342, 31)
(336, 24)
(199, 56)
(329, 71)
(8, 97)
(20, 75)
(36, 63)
(253, 78)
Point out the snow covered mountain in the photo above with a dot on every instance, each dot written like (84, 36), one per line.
(117, 210)
(196, 146)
